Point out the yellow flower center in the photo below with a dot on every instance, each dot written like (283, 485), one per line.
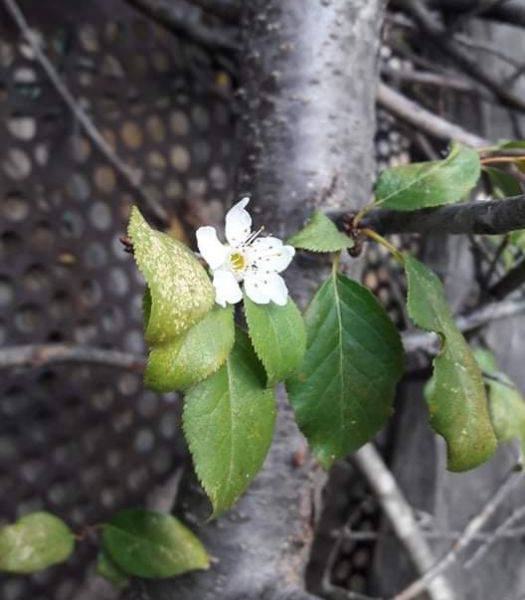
(237, 261)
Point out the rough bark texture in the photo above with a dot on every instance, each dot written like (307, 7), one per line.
(309, 78)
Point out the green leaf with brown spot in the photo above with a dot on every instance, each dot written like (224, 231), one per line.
(180, 290)
(456, 394)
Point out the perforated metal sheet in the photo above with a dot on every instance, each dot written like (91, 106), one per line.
(83, 441)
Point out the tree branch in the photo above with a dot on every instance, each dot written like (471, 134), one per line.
(510, 282)
(414, 114)
(185, 19)
(499, 533)
(473, 527)
(510, 12)
(442, 39)
(43, 355)
(493, 217)
(227, 10)
(130, 175)
(401, 517)
(429, 342)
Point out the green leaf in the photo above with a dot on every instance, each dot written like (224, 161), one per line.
(193, 356)
(456, 395)
(180, 290)
(321, 235)
(107, 569)
(506, 403)
(228, 422)
(152, 545)
(421, 185)
(278, 335)
(344, 389)
(35, 542)
(503, 184)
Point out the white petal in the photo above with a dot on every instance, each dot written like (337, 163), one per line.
(227, 290)
(269, 254)
(213, 252)
(238, 223)
(276, 289)
(255, 289)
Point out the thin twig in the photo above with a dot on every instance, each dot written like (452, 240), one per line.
(131, 176)
(401, 517)
(185, 18)
(39, 355)
(505, 534)
(480, 47)
(441, 38)
(512, 13)
(510, 282)
(494, 262)
(413, 113)
(498, 534)
(488, 313)
(227, 10)
(429, 78)
(473, 527)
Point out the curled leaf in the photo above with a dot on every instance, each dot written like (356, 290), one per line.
(456, 393)
(180, 291)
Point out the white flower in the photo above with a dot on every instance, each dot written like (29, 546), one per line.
(256, 261)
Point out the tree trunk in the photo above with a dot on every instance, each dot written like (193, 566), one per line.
(308, 75)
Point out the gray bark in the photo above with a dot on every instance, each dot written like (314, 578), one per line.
(309, 78)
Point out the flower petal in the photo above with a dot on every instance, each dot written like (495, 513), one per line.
(269, 254)
(238, 224)
(255, 288)
(213, 252)
(276, 289)
(227, 290)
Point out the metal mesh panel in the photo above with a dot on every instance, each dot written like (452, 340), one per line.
(83, 441)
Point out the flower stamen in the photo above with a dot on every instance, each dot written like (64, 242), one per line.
(255, 234)
(237, 261)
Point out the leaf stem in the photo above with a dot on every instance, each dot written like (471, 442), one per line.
(364, 211)
(370, 233)
(502, 159)
(335, 262)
